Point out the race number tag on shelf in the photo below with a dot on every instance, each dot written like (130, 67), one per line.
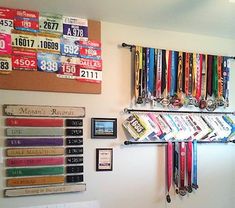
(90, 53)
(5, 65)
(6, 20)
(69, 47)
(24, 60)
(69, 69)
(5, 44)
(49, 62)
(49, 43)
(26, 20)
(74, 27)
(24, 40)
(50, 23)
(89, 75)
(90, 64)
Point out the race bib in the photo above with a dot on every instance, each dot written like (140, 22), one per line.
(6, 20)
(5, 65)
(90, 53)
(5, 44)
(50, 23)
(26, 20)
(90, 64)
(89, 75)
(75, 28)
(69, 47)
(49, 62)
(24, 40)
(90, 44)
(24, 60)
(69, 68)
(49, 43)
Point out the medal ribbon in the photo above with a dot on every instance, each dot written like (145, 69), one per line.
(195, 164)
(176, 166)
(204, 77)
(169, 168)
(173, 73)
(190, 90)
(189, 164)
(220, 77)
(180, 73)
(147, 72)
(159, 73)
(199, 76)
(226, 70)
(209, 74)
(164, 68)
(215, 77)
(138, 72)
(144, 73)
(151, 73)
(186, 83)
(194, 75)
(169, 71)
(182, 164)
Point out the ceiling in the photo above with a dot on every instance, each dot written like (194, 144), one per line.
(206, 17)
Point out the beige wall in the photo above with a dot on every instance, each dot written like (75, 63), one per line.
(138, 177)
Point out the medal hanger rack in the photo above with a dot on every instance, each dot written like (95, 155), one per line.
(128, 110)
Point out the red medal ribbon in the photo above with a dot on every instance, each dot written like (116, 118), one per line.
(199, 75)
(159, 73)
(220, 83)
(189, 165)
(182, 168)
(186, 83)
(34, 122)
(209, 75)
(169, 169)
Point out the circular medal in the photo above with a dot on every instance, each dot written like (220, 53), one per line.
(202, 104)
(189, 189)
(165, 102)
(168, 198)
(182, 192)
(176, 103)
(195, 102)
(186, 101)
(195, 186)
(210, 105)
(177, 191)
(139, 100)
(220, 102)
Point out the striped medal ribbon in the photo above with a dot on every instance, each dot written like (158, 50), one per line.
(186, 80)
(182, 146)
(202, 103)
(189, 166)
(194, 184)
(169, 169)
(198, 77)
(176, 167)
(159, 75)
(144, 74)
(226, 68)
(220, 101)
(138, 75)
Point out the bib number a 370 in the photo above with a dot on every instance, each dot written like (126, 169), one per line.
(49, 62)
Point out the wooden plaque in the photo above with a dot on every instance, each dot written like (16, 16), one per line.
(44, 190)
(49, 82)
(34, 132)
(32, 181)
(20, 152)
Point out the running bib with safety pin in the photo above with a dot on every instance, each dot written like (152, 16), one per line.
(49, 43)
(5, 65)
(6, 20)
(69, 47)
(48, 62)
(5, 44)
(89, 75)
(50, 23)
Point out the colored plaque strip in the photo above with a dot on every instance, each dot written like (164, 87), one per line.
(74, 160)
(74, 122)
(34, 122)
(74, 151)
(20, 152)
(34, 142)
(74, 178)
(16, 172)
(34, 132)
(32, 181)
(44, 190)
(74, 132)
(43, 111)
(74, 169)
(21, 162)
(74, 141)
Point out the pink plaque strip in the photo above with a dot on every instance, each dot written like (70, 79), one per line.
(19, 162)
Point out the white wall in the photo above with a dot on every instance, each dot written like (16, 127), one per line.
(138, 177)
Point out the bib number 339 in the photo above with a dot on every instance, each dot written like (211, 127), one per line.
(48, 62)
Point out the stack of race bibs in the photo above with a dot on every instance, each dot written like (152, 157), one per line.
(177, 79)
(180, 127)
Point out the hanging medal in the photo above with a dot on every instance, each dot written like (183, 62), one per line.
(202, 103)
(174, 66)
(226, 67)
(150, 74)
(182, 191)
(220, 101)
(137, 86)
(169, 169)
(199, 62)
(159, 75)
(144, 74)
(189, 166)
(186, 80)
(194, 184)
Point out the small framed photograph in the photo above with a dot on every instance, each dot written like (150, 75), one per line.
(104, 128)
(104, 159)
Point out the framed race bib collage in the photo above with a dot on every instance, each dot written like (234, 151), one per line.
(49, 52)
(43, 149)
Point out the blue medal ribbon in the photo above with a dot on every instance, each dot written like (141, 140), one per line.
(194, 185)
(173, 73)
(150, 68)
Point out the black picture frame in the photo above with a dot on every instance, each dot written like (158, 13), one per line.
(104, 159)
(104, 128)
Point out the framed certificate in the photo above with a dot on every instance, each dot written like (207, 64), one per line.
(104, 128)
(104, 159)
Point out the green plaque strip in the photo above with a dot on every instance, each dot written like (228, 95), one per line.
(15, 172)
(34, 132)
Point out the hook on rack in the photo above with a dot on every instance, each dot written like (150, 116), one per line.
(125, 45)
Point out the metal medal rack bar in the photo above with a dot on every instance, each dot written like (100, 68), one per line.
(129, 110)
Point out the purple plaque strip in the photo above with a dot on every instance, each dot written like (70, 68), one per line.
(20, 162)
(34, 142)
